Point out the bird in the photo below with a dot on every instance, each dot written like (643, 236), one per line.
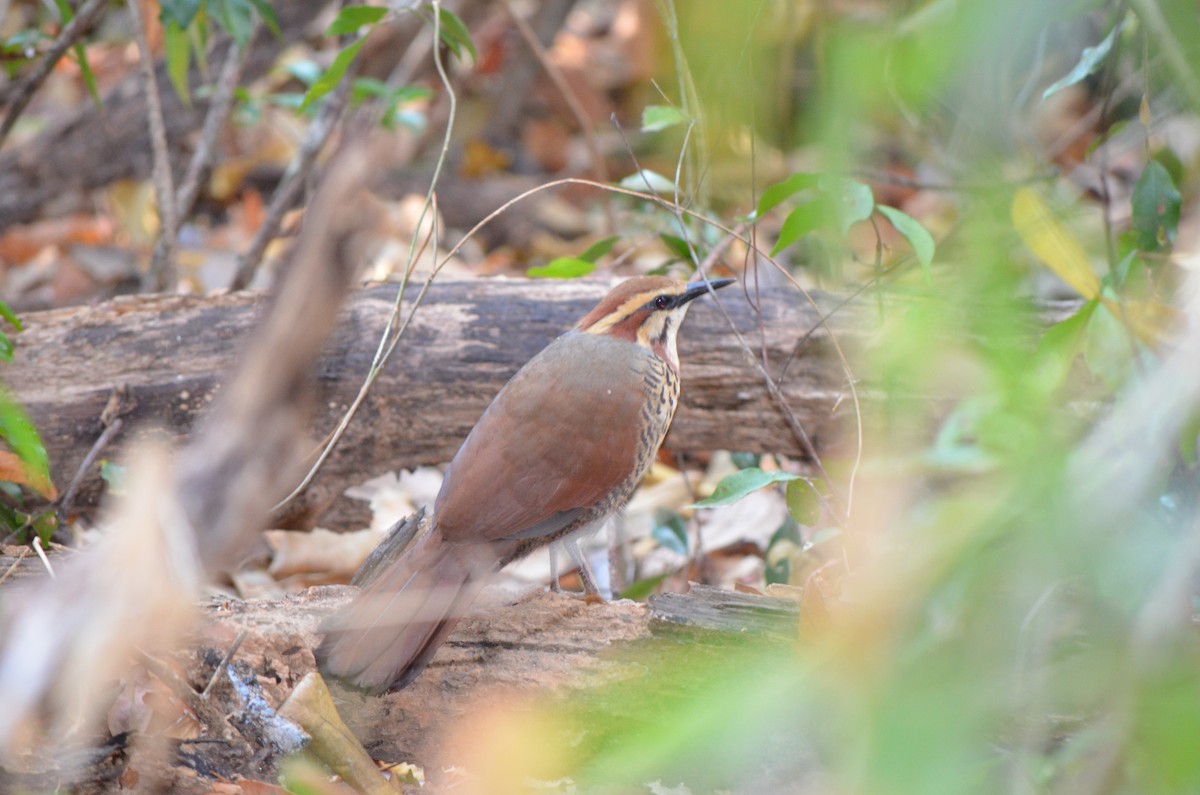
(561, 447)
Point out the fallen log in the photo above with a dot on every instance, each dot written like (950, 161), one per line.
(510, 649)
(170, 354)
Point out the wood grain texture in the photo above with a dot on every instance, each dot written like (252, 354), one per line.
(467, 339)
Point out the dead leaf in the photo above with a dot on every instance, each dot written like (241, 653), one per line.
(335, 555)
(14, 470)
(1051, 243)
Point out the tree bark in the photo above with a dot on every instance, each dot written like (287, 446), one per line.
(467, 339)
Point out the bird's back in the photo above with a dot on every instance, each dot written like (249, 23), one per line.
(561, 446)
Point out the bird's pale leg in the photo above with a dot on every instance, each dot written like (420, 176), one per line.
(554, 587)
(571, 545)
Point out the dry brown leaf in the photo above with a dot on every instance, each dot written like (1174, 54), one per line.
(13, 470)
(480, 159)
(147, 705)
(336, 555)
(22, 243)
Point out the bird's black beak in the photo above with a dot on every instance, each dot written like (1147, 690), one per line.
(701, 288)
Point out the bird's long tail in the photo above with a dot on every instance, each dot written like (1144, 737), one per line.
(385, 637)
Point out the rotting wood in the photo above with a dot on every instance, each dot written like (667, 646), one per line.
(510, 646)
(466, 341)
(708, 609)
(468, 338)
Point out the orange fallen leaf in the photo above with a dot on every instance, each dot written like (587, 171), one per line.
(14, 470)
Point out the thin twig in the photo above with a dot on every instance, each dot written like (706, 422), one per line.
(68, 499)
(8, 572)
(573, 104)
(233, 648)
(214, 120)
(395, 329)
(689, 98)
(161, 276)
(41, 553)
(297, 173)
(70, 34)
(887, 178)
(218, 112)
(170, 677)
(722, 245)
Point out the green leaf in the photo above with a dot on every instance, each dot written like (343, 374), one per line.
(745, 460)
(778, 568)
(660, 117)
(236, 17)
(917, 236)
(643, 588)
(739, 484)
(806, 218)
(1113, 130)
(562, 268)
(199, 33)
(1106, 347)
(677, 246)
(1189, 437)
(115, 475)
(957, 447)
(44, 526)
(803, 501)
(366, 87)
(6, 348)
(306, 70)
(333, 75)
(351, 18)
(647, 180)
(1088, 63)
(454, 34)
(670, 531)
(1156, 203)
(267, 14)
(782, 191)
(18, 431)
(598, 249)
(181, 12)
(177, 46)
(853, 201)
(85, 71)
(66, 14)
(7, 314)
(1057, 349)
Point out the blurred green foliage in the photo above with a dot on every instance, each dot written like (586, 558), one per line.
(994, 629)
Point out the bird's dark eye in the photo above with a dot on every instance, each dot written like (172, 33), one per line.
(662, 302)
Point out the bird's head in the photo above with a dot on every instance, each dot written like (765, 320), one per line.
(647, 310)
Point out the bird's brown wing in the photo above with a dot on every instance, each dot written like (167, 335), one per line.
(560, 436)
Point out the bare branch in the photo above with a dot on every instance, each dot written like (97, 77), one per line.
(161, 275)
(88, 13)
(218, 113)
(297, 173)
